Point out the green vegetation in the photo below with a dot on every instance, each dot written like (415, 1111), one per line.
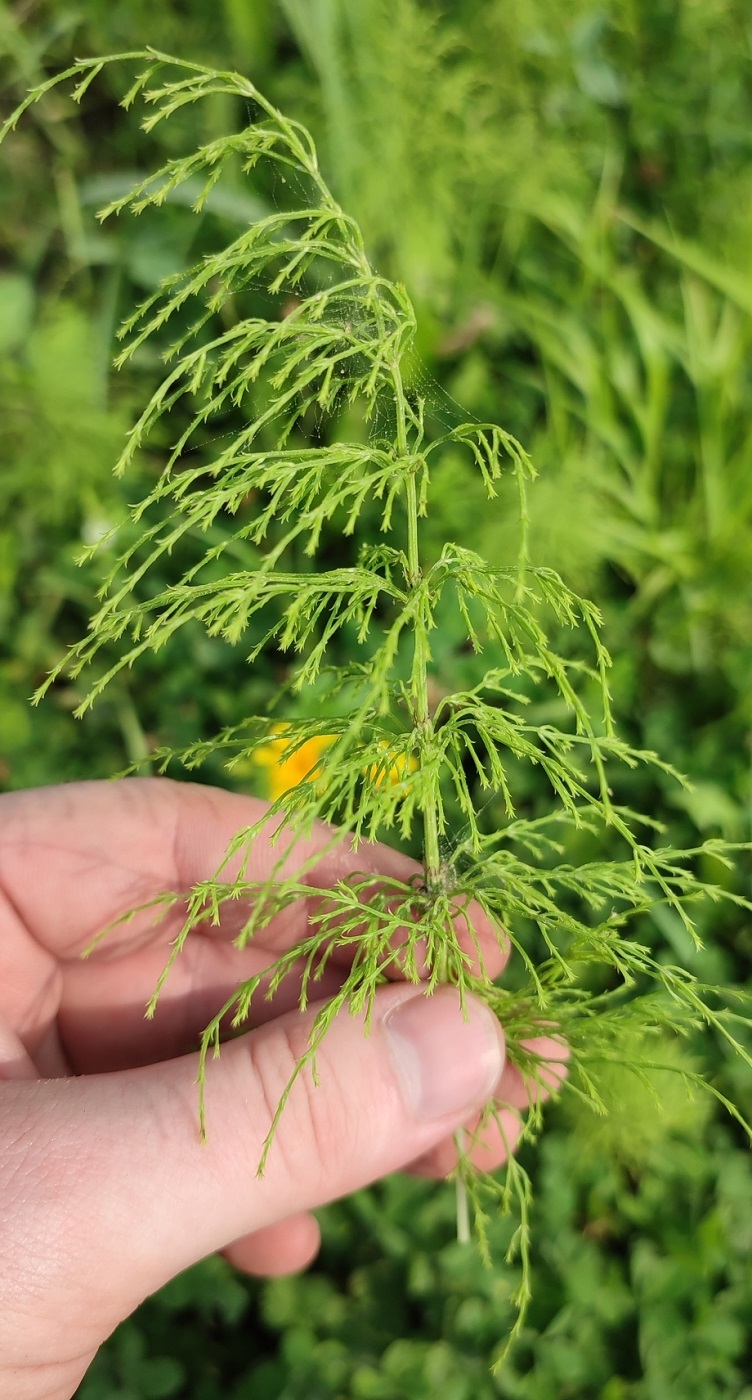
(545, 215)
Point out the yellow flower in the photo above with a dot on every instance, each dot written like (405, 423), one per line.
(284, 768)
(399, 770)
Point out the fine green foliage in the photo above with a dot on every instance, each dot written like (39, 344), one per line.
(259, 538)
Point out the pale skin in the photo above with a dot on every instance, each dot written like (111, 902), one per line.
(106, 1191)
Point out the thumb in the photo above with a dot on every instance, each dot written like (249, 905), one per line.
(118, 1194)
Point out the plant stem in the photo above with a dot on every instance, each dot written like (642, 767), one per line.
(431, 853)
(422, 714)
(463, 1205)
(424, 724)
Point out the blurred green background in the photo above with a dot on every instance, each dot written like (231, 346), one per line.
(567, 193)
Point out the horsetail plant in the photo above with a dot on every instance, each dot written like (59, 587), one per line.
(257, 507)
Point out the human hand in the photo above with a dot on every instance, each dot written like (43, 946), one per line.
(105, 1189)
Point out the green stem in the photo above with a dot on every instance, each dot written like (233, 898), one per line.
(431, 851)
(422, 713)
(431, 854)
(463, 1204)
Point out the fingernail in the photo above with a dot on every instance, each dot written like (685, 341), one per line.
(446, 1059)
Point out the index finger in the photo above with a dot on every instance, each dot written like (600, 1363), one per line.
(75, 858)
